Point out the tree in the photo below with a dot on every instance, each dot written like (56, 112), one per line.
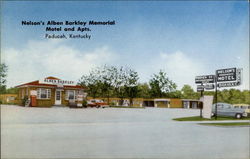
(232, 96)
(3, 75)
(118, 83)
(12, 90)
(143, 90)
(131, 84)
(160, 85)
(235, 96)
(224, 96)
(92, 81)
(175, 94)
(246, 95)
(188, 92)
(121, 80)
(107, 76)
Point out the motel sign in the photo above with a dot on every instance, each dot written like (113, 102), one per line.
(224, 75)
(229, 77)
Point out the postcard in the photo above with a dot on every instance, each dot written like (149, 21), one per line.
(124, 79)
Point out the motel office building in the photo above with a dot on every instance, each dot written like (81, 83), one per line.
(50, 91)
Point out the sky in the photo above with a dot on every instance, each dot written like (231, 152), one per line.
(184, 39)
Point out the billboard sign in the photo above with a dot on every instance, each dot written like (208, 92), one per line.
(238, 75)
(228, 84)
(58, 82)
(200, 88)
(209, 86)
(205, 79)
(224, 75)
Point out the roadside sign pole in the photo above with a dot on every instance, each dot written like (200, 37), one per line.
(215, 96)
(202, 91)
(201, 104)
(229, 77)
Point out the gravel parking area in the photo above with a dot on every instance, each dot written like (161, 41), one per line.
(115, 133)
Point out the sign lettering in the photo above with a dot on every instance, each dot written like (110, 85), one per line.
(200, 88)
(228, 74)
(228, 84)
(56, 82)
(205, 79)
(209, 86)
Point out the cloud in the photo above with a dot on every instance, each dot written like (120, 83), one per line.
(39, 59)
(52, 58)
(180, 67)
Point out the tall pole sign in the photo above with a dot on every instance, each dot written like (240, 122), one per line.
(229, 77)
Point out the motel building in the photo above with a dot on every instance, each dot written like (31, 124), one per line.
(51, 91)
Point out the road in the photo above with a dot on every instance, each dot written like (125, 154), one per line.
(116, 133)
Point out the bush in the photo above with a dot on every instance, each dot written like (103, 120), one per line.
(112, 104)
(84, 103)
(24, 100)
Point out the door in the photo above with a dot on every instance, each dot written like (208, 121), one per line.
(58, 97)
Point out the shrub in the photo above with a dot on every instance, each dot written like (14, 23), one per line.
(24, 100)
(112, 104)
(84, 103)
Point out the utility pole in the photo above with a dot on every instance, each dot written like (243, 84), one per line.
(215, 96)
(201, 104)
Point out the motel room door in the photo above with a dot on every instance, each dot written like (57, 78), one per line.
(58, 97)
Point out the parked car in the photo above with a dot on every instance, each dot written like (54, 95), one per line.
(225, 109)
(246, 107)
(248, 111)
(97, 103)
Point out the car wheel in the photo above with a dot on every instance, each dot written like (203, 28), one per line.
(238, 116)
(212, 114)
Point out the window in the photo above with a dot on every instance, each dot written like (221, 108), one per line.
(43, 93)
(78, 92)
(70, 94)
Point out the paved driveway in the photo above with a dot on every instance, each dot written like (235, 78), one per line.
(116, 133)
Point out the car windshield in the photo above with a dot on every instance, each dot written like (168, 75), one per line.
(222, 105)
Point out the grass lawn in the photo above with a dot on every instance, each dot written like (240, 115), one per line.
(198, 118)
(227, 124)
(126, 107)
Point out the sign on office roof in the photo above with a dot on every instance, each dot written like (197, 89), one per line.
(56, 81)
